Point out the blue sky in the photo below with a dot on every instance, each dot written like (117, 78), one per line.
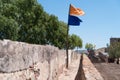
(100, 22)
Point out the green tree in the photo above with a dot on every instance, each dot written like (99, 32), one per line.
(31, 19)
(52, 30)
(114, 51)
(8, 25)
(89, 46)
(60, 40)
(75, 41)
(26, 21)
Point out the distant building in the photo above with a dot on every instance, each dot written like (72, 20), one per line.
(113, 40)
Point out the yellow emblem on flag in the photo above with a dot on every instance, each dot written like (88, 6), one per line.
(76, 11)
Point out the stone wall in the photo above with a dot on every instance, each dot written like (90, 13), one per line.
(22, 61)
(90, 72)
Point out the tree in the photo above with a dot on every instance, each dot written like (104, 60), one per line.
(31, 19)
(75, 41)
(26, 21)
(89, 46)
(60, 40)
(8, 25)
(114, 51)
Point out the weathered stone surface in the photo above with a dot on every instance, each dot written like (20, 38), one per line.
(39, 71)
(22, 61)
(16, 56)
(91, 73)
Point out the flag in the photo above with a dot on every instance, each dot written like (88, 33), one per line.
(73, 20)
(76, 11)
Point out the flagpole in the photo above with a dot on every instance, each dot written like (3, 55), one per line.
(67, 47)
(72, 20)
(67, 42)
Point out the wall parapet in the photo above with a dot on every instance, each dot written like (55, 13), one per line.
(15, 56)
(23, 61)
(90, 72)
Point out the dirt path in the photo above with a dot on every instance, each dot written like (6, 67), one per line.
(109, 71)
(71, 72)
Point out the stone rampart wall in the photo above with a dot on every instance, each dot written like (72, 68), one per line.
(90, 72)
(22, 61)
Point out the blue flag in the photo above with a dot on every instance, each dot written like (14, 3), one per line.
(73, 20)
